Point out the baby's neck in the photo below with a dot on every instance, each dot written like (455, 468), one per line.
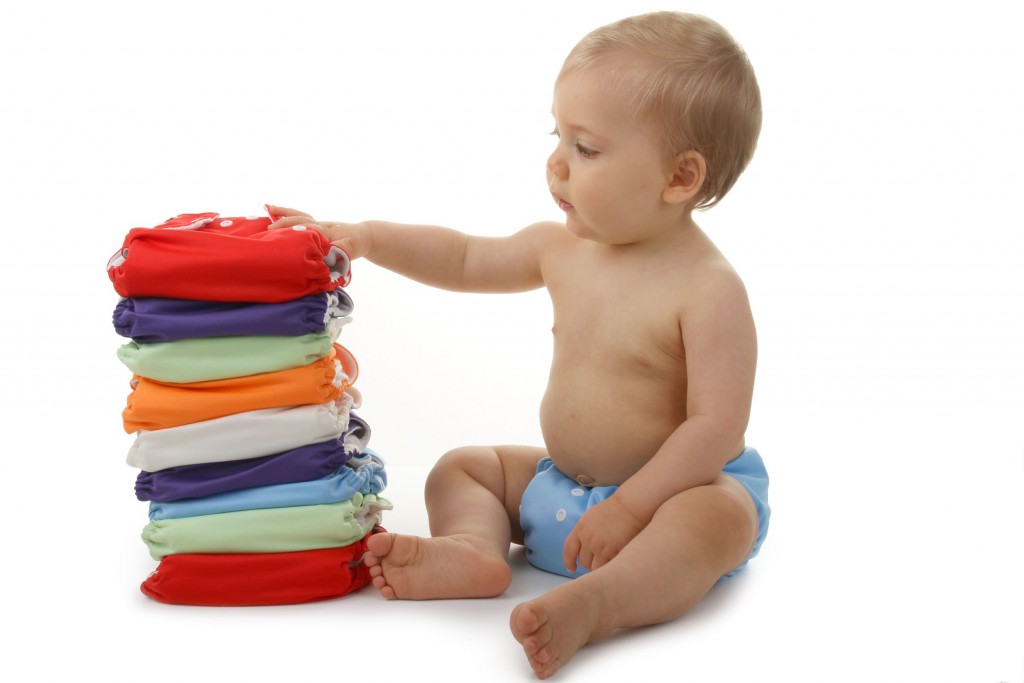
(679, 235)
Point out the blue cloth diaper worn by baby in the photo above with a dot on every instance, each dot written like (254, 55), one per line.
(553, 503)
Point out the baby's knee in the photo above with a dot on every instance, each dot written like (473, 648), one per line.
(476, 462)
(723, 510)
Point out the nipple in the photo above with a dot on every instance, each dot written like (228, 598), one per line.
(584, 480)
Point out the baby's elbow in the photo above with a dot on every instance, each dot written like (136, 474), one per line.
(723, 429)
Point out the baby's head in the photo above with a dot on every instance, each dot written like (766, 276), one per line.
(689, 81)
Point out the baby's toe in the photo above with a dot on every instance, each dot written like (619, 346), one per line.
(526, 619)
(536, 644)
(380, 544)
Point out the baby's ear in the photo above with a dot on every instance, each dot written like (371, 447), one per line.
(686, 177)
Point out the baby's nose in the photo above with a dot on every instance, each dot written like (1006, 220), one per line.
(557, 165)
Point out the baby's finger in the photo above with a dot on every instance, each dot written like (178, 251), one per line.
(586, 559)
(282, 211)
(570, 550)
(290, 221)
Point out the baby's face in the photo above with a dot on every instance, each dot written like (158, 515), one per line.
(607, 172)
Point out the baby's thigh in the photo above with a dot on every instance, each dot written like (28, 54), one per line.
(504, 471)
(519, 465)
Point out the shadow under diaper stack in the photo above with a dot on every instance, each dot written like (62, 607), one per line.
(261, 486)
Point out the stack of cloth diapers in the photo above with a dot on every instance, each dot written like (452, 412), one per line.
(261, 487)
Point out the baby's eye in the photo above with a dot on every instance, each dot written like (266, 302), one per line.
(585, 152)
(555, 132)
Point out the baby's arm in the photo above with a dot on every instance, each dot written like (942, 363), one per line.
(448, 259)
(441, 257)
(721, 353)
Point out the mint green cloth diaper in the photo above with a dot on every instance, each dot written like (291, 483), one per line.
(272, 530)
(211, 358)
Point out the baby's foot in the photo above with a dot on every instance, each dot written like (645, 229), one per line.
(554, 626)
(414, 568)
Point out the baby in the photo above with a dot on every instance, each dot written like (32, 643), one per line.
(645, 489)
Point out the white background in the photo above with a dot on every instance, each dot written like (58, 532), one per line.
(877, 230)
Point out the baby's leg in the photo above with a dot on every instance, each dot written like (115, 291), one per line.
(694, 539)
(472, 496)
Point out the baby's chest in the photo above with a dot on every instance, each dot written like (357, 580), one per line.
(633, 327)
(616, 307)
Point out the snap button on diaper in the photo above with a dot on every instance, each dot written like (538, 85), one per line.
(560, 515)
(577, 492)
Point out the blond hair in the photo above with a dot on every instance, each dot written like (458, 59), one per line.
(691, 80)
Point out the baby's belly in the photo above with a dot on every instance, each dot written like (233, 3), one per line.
(603, 436)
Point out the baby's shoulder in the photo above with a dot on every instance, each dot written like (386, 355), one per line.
(543, 235)
(714, 271)
(546, 230)
(713, 289)
(706, 268)
(550, 239)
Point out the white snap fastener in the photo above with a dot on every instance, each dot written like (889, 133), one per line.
(560, 515)
(226, 224)
(298, 228)
(577, 492)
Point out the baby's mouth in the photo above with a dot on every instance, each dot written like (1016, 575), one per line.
(562, 204)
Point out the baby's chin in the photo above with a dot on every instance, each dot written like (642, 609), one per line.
(578, 228)
(583, 231)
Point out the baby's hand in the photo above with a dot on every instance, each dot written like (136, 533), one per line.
(601, 533)
(354, 238)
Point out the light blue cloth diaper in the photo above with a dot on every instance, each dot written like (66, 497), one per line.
(369, 477)
(553, 503)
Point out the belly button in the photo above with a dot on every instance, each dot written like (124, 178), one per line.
(584, 480)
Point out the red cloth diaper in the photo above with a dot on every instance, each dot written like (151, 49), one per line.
(259, 578)
(209, 258)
